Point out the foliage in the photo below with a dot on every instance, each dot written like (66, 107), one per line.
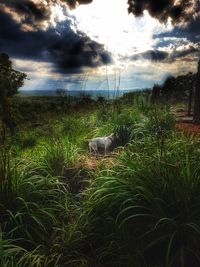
(174, 88)
(139, 207)
(59, 155)
(10, 81)
(61, 92)
(196, 117)
(160, 122)
(179, 86)
(147, 208)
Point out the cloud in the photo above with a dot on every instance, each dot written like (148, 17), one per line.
(168, 50)
(80, 52)
(73, 3)
(30, 10)
(31, 15)
(180, 11)
(177, 46)
(185, 52)
(154, 55)
(37, 14)
(70, 51)
(51, 36)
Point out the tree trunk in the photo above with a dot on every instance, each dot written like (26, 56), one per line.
(196, 116)
(155, 94)
(190, 100)
(6, 116)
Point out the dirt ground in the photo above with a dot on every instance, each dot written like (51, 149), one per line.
(185, 124)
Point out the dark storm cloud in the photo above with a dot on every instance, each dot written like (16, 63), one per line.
(69, 51)
(39, 11)
(73, 3)
(30, 9)
(191, 32)
(31, 15)
(169, 57)
(189, 51)
(183, 41)
(179, 11)
(36, 15)
(80, 52)
(153, 55)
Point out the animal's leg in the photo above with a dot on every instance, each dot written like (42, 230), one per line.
(106, 150)
(90, 148)
(93, 149)
(96, 149)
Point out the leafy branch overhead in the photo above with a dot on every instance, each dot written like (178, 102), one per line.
(10, 79)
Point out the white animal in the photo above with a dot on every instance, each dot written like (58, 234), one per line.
(101, 143)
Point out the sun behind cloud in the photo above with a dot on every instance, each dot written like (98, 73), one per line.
(108, 22)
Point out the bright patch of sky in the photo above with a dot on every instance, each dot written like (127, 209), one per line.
(108, 22)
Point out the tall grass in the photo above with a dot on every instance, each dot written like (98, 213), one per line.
(9, 252)
(33, 203)
(58, 155)
(148, 208)
(139, 209)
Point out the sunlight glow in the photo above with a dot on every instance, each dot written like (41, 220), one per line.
(57, 14)
(108, 22)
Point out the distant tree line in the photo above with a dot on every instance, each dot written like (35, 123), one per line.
(174, 87)
(185, 87)
(181, 87)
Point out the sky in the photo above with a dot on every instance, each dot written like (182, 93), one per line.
(100, 44)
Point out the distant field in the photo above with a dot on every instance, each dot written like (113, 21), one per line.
(108, 94)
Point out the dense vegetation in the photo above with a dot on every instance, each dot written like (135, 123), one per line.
(61, 207)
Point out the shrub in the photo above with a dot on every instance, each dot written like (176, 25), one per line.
(58, 155)
(127, 125)
(147, 210)
(28, 140)
(161, 121)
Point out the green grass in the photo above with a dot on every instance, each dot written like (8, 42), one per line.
(140, 207)
(149, 206)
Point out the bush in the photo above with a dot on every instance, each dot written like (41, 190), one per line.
(59, 155)
(161, 121)
(127, 125)
(147, 210)
(28, 140)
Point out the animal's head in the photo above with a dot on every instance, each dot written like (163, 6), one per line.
(114, 136)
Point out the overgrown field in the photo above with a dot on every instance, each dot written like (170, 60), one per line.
(137, 207)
